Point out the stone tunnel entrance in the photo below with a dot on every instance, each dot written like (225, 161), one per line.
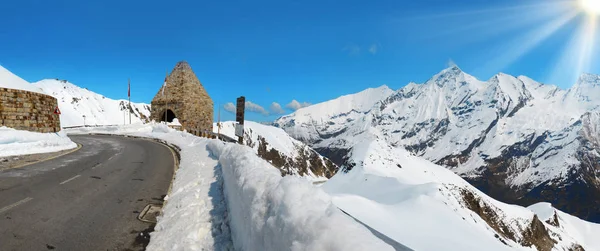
(167, 116)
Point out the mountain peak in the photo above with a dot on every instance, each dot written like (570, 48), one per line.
(453, 69)
(588, 79)
(450, 74)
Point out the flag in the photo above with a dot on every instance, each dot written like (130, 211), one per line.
(164, 87)
(128, 88)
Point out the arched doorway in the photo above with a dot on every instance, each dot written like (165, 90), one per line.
(167, 116)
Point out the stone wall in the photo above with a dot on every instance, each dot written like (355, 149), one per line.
(31, 111)
(185, 96)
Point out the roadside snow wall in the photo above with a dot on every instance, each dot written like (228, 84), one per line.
(18, 142)
(268, 212)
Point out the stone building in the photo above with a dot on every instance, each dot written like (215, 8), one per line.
(26, 110)
(183, 97)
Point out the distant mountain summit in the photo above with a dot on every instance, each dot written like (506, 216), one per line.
(516, 139)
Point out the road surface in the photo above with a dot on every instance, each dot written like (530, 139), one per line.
(85, 200)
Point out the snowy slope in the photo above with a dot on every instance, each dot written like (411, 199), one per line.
(514, 138)
(12, 81)
(291, 156)
(427, 207)
(312, 123)
(75, 102)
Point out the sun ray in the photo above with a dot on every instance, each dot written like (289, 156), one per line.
(498, 10)
(481, 29)
(521, 45)
(576, 58)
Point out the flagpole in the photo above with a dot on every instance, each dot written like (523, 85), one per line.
(166, 101)
(129, 96)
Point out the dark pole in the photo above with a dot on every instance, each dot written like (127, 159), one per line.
(129, 96)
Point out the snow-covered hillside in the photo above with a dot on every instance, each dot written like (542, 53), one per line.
(291, 156)
(514, 138)
(75, 102)
(12, 81)
(428, 207)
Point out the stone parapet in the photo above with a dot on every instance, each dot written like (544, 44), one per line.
(30, 111)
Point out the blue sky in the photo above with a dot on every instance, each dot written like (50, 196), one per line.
(279, 51)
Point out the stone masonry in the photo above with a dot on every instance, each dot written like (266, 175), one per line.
(186, 98)
(31, 111)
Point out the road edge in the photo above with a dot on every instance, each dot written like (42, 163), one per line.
(46, 159)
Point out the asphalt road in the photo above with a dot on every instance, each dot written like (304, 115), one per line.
(85, 200)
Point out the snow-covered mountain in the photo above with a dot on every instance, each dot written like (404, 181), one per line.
(75, 102)
(515, 139)
(289, 155)
(12, 81)
(427, 207)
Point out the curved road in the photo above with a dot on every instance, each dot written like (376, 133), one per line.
(85, 200)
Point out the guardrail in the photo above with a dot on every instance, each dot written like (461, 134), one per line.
(206, 134)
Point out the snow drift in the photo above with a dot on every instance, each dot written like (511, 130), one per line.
(268, 212)
(17, 142)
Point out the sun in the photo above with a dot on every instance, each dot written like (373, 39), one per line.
(590, 6)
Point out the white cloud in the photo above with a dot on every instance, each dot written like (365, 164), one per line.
(352, 49)
(230, 107)
(295, 105)
(276, 108)
(252, 107)
(451, 63)
(373, 49)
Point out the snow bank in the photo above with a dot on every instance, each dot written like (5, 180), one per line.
(12, 81)
(265, 211)
(195, 215)
(17, 142)
(268, 212)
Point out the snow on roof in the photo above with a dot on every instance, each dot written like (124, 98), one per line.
(12, 81)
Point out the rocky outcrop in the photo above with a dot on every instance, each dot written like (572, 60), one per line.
(535, 234)
(290, 156)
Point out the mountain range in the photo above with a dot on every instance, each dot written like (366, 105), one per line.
(428, 165)
(517, 140)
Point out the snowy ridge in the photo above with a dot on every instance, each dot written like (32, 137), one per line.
(74, 102)
(427, 207)
(308, 124)
(512, 137)
(291, 156)
(12, 81)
